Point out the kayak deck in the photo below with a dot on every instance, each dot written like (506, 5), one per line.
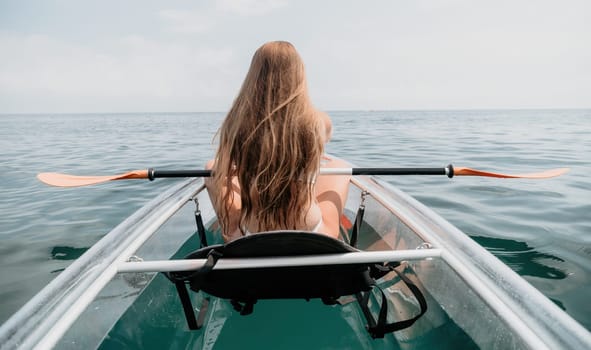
(489, 303)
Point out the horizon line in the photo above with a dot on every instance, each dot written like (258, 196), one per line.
(326, 110)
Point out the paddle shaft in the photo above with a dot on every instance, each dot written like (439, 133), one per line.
(154, 174)
(65, 180)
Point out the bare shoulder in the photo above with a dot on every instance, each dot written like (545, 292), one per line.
(331, 195)
(326, 124)
(332, 162)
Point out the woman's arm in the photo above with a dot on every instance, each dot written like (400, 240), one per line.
(331, 195)
(327, 125)
(215, 195)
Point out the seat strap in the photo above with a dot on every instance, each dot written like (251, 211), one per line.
(357, 226)
(382, 327)
(200, 226)
(358, 220)
(181, 287)
(377, 271)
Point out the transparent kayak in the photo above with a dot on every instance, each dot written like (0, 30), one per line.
(114, 296)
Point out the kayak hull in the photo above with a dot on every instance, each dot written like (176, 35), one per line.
(471, 294)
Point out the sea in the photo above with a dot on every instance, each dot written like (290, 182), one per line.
(540, 228)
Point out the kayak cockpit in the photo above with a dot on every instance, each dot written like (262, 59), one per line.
(322, 268)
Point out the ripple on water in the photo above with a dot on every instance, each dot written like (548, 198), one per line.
(540, 228)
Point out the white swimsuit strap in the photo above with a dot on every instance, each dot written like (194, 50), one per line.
(316, 228)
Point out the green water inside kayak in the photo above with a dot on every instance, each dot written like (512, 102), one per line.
(156, 321)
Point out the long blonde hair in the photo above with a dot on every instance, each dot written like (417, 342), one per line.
(271, 142)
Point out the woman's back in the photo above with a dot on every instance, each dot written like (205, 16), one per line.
(270, 148)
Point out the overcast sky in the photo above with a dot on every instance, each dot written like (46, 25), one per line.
(184, 56)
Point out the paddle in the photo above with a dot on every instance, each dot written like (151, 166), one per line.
(65, 180)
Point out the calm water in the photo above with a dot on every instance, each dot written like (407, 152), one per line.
(540, 228)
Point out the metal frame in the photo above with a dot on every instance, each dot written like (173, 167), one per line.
(304, 260)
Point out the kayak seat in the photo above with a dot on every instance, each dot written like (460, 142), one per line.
(243, 287)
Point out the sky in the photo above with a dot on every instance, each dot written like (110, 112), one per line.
(69, 56)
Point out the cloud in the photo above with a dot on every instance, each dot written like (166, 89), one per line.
(453, 54)
(199, 21)
(133, 69)
(251, 7)
(187, 22)
(172, 66)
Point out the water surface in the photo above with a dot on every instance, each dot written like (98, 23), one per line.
(540, 228)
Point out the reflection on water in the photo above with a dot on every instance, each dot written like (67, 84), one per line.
(522, 258)
(558, 303)
(67, 253)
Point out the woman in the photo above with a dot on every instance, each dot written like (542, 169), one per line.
(265, 176)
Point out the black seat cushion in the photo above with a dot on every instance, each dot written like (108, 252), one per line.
(327, 282)
(248, 285)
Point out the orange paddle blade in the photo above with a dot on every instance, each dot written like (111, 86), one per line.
(460, 171)
(65, 180)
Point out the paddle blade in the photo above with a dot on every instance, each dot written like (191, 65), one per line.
(65, 180)
(460, 171)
